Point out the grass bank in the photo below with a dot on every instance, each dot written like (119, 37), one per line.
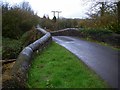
(101, 36)
(101, 43)
(58, 68)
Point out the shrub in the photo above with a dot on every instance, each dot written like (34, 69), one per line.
(17, 21)
(97, 34)
(101, 35)
(30, 36)
(11, 48)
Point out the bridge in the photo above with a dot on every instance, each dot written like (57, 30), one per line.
(101, 59)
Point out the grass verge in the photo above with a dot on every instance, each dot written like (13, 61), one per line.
(101, 36)
(58, 68)
(102, 43)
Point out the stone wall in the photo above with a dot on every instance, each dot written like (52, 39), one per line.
(112, 39)
(66, 32)
(23, 62)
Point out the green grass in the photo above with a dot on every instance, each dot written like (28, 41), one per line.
(98, 35)
(56, 67)
(102, 43)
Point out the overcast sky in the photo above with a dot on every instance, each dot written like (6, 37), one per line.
(69, 8)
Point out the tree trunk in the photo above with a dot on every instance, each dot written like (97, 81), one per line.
(102, 8)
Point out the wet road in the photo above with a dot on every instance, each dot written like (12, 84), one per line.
(103, 60)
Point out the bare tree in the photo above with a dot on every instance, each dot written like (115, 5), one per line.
(101, 8)
(26, 6)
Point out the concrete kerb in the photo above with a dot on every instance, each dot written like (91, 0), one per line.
(22, 64)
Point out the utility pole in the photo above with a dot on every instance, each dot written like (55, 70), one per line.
(53, 13)
(58, 13)
(56, 25)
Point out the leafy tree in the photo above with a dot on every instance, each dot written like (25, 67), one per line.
(44, 17)
(118, 10)
(17, 20)
(54, 19)
(104, 16)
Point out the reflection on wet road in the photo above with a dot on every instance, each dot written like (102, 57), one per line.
(103, 60)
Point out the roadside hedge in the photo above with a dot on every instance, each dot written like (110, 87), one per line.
(96, 33)
(10, 48)
(102, 35)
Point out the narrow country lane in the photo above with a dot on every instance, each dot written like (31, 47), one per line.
(103, 60)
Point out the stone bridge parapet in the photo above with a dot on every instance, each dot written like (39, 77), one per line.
(23, 62)
(66, 32)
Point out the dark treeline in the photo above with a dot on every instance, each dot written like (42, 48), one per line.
(18, 30)
(18, 24)
(103, 24)
(18, 27)
(58, 23)
(21, 18)
(18, 19)
(103, 15)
